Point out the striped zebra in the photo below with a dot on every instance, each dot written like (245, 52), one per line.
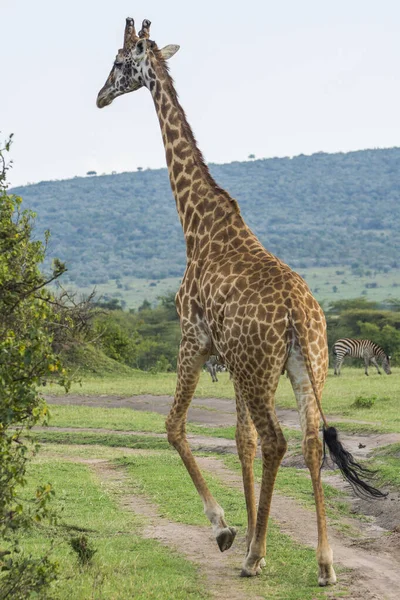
(214, 365)
(365, 349)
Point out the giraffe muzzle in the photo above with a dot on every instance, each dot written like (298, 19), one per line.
(103, 99)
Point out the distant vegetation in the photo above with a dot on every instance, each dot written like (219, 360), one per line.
(312, 211)
(148, 339)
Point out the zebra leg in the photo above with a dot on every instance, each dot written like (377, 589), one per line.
(214, 373)
(366, 363)
(373, 361)
(338, 364)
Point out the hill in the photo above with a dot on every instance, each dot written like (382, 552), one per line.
(311, 211)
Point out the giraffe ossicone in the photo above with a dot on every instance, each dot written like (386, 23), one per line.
(242, 303)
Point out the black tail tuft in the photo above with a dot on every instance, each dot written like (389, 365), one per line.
(351, 470)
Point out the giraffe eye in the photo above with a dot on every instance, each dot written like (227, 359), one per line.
(118, 63)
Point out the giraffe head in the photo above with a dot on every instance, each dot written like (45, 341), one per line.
(134, 65)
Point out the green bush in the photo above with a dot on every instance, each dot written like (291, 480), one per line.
(146, 340)
(28, 327)
(363, 402)
(83, 548)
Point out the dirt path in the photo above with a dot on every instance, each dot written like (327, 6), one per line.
(196, 544)
(373, 555)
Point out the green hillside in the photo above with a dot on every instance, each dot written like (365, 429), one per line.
(311, 211)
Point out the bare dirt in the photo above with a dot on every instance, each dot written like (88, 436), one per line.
(370, 556)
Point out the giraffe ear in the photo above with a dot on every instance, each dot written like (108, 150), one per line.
(168, 51)
(140, 48)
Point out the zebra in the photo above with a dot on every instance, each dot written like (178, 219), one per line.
(365, 349)
(214, 365)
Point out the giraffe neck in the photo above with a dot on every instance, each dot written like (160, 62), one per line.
(200, 202)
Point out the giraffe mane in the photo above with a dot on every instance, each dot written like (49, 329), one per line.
(170, 85)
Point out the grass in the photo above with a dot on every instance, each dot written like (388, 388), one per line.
(113, 440)
(125, 565)
(323, 280)
(339, 394)
(320, 279)
(123, 419)
(166, 482)
(387, 462)
(143, 382)
(126, 419)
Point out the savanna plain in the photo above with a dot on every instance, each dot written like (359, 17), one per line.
(130, 523)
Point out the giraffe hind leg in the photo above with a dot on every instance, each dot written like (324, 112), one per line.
(273, 447)
(312, 450)
(246, 443)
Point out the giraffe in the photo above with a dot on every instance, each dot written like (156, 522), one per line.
(238, 301)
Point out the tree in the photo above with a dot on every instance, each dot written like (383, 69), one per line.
(28, 320)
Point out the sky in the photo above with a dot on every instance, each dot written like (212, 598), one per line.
(266, 77)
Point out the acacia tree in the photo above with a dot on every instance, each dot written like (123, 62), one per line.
(28, 320)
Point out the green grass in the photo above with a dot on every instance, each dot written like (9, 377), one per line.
(322, 281)
(125, 565)
(167, 483)
(387, 463)
(113, 440)
(123, 419)
(144, 382)
(339, 392)
(126, 419)
(92, 361)
(133, 290)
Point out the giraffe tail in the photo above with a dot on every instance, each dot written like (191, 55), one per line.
(351, 470)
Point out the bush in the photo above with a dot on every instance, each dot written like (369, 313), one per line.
(363, 402)
(84, 549)
(28, 327)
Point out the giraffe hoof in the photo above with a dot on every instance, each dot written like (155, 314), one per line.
(327, 576)
(225, 538)
(250, 572)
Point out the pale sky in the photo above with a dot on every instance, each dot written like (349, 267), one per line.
(263, 77)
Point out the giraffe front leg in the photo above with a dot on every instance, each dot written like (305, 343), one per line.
(191, 358)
